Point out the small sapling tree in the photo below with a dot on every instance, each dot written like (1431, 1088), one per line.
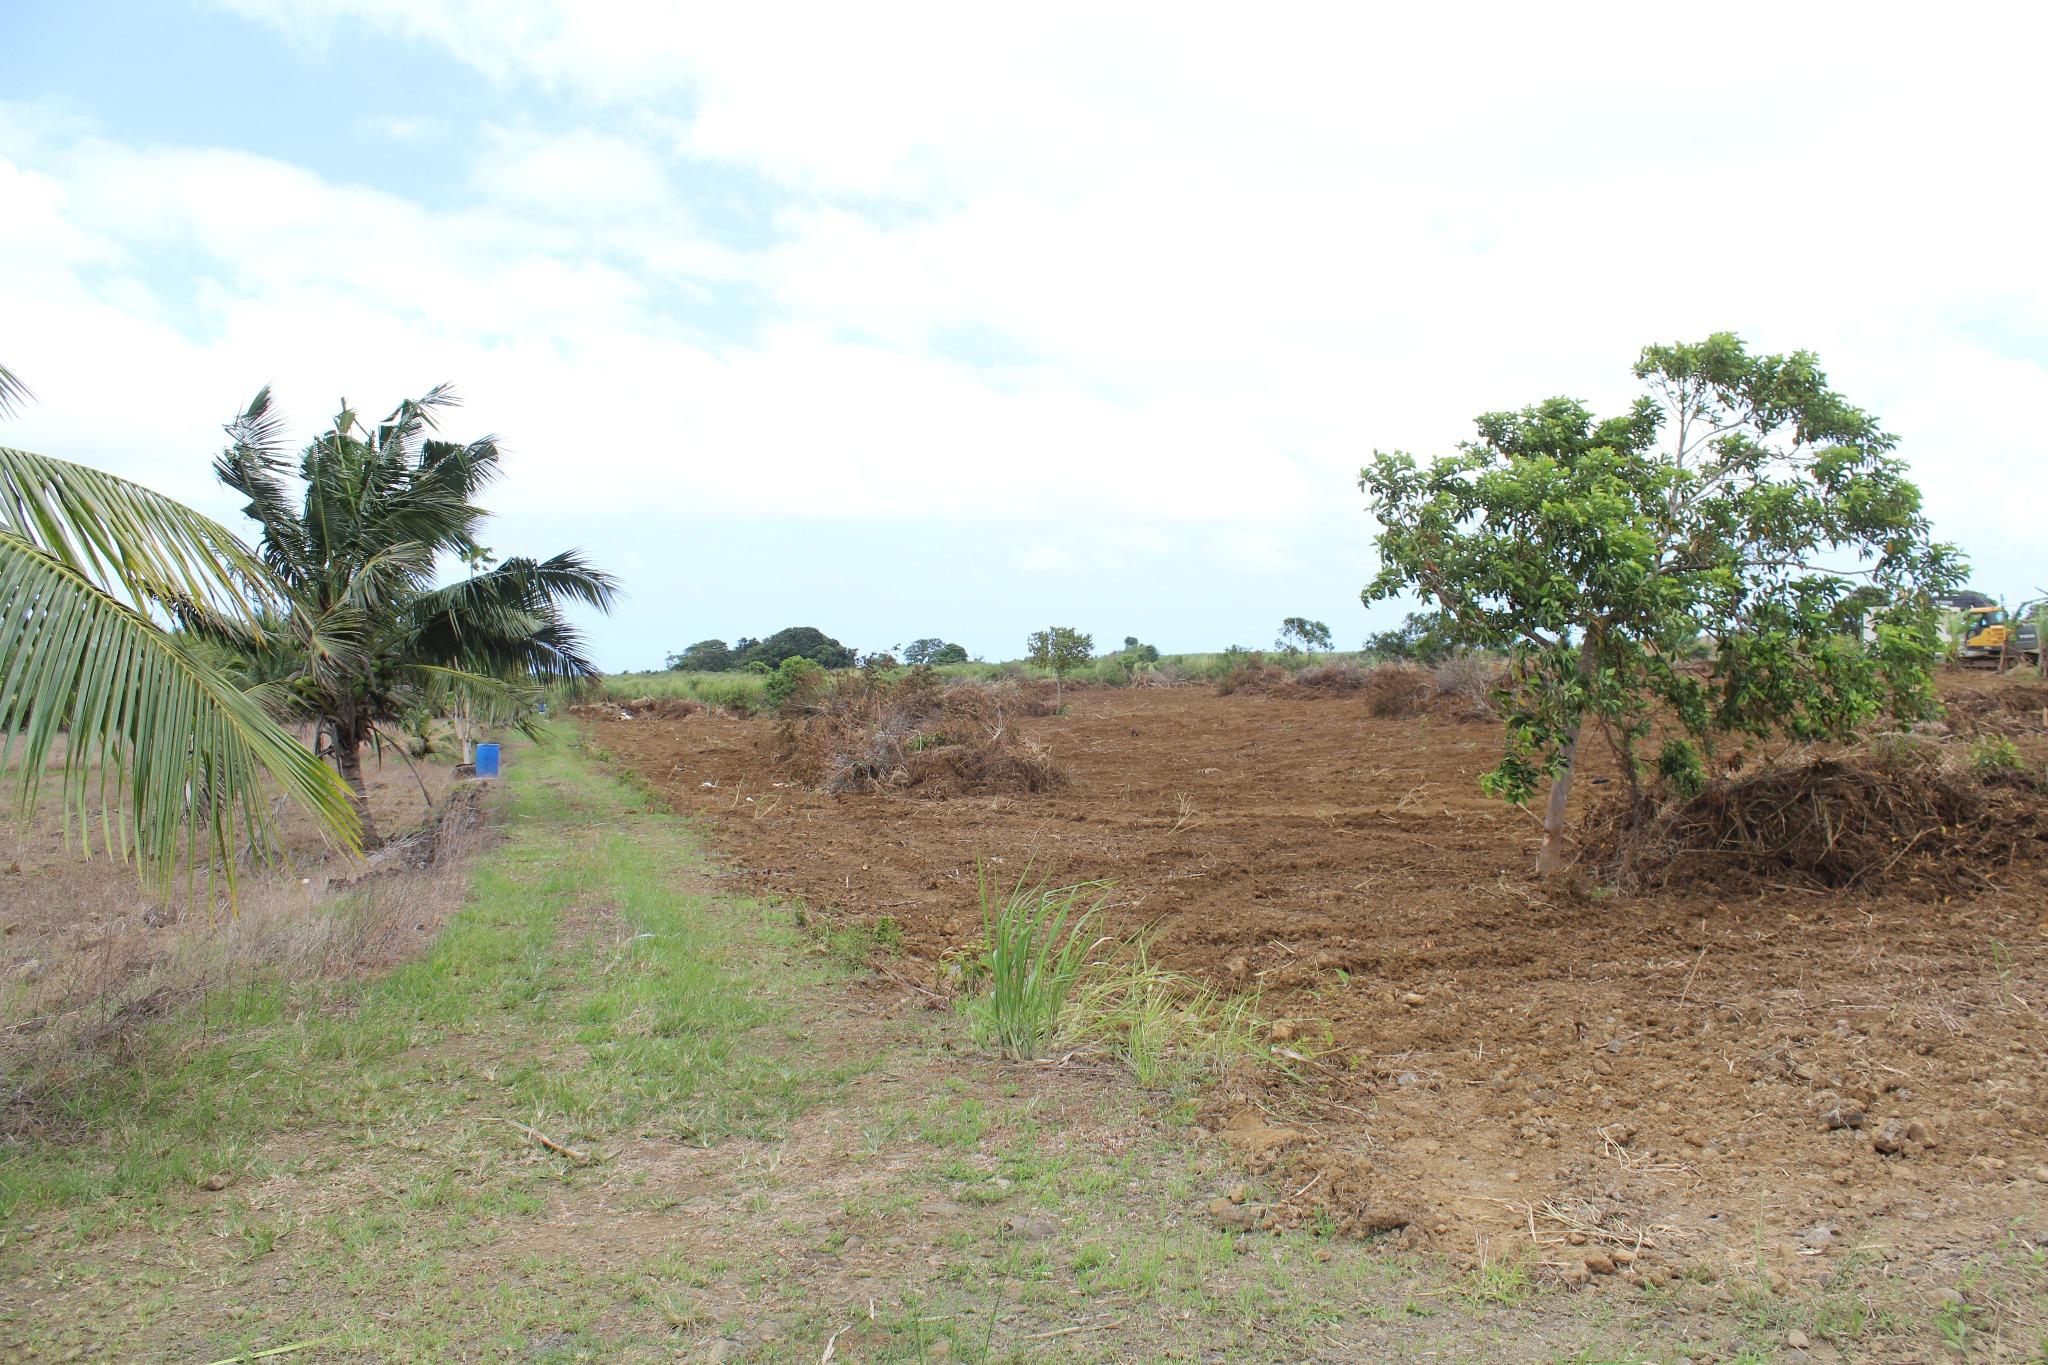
(1298, 633)
(1061, 649)
(1741, 503)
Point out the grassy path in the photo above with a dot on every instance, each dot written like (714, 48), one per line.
(767, 1163)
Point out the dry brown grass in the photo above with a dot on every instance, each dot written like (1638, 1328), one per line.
(88, 949)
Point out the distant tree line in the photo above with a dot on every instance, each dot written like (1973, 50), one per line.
(747, 654)
(932, 650)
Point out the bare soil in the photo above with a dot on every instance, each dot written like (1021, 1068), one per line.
(1778, 1077)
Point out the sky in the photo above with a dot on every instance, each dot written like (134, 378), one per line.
(962, 320)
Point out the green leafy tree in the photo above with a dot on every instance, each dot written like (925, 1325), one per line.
(706, 656)
(367, 635)
(928, 650)
(1423, 637)
(1298, 633)
(950, 654)
(173, 755)
(1740, 501)
(807, 641)
(1060, 649)
(795, 680)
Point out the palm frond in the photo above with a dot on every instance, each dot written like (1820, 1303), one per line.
(507, 620)
(176, 757)
(253, 465)
(13, 393)
(123, 537)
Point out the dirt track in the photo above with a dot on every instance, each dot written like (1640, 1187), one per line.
(1663, 1066)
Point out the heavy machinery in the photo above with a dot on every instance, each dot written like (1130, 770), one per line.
(1991, 635)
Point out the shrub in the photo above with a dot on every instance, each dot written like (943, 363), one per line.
(1994, 753)
(797, 681)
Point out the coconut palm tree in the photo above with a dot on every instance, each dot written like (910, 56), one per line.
(171, 755)
(368, 634)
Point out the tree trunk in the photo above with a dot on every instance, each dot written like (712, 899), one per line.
(1550, 858)
(348, 761)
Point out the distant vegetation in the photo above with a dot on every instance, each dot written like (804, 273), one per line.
(1299, 634)
(933, 650)
(762, 656)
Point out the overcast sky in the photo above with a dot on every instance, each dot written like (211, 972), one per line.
(965, 319)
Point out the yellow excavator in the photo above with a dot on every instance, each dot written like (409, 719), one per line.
(1990, 633)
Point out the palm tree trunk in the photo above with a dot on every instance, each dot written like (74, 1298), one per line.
(348, 761)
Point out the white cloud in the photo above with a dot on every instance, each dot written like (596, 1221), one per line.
(1205, 263)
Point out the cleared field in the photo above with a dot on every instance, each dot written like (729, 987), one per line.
(1809, 1084)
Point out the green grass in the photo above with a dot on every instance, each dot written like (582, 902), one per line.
(773, 1160)
(1034, 943)
(581, 990)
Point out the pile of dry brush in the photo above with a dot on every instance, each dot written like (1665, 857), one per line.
(1456, 689)
(915, 732)
(1901, 811)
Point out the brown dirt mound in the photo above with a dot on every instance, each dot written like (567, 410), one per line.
(914, 733)
(1900, 812)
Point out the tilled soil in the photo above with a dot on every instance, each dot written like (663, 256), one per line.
(1780, 1076)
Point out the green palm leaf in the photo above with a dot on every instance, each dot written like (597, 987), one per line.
(175, 756)
(13, 393)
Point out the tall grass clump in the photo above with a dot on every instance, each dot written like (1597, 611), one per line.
(1166, 1027)
(1034, 944)
(1043, 983)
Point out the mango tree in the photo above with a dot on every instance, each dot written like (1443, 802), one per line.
(1737, 556)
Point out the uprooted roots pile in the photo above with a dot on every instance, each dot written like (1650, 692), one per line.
(1901, 811)
(918, 734)
(1458, 689)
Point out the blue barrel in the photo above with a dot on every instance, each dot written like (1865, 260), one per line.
(486, 760)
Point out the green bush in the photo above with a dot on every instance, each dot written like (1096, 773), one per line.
(1994, 753)
(795, 681)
